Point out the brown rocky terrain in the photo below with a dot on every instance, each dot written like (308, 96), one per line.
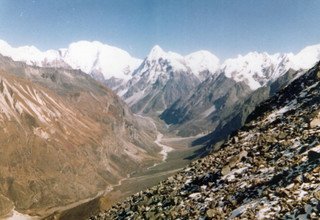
(269, 169)
(64, 137)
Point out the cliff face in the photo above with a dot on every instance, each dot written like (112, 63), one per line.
(63, 137)
(269, 169)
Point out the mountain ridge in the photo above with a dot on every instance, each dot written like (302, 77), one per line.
(93, 57)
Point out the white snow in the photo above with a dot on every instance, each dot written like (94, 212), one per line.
(41, 133)
(267, 209)
(201, 61)
(84, 55)
(238, 211)
(196, 62)
(306, 58)
(280, 112)
(156, 64)
(207, 112)
(231, 176)
(135, 97)
(95, 56)
(195, 195)
(255, 69)
(302, 193)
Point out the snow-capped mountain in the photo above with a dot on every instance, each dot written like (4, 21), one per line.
(158, 62)
(95, 56)
(90, 57)
(28, 54)
(306, 58)
(254, 69)
(198, 63)
(165, 77)
(115, 66)
(202, 63)
(258, 69)
(221, 103)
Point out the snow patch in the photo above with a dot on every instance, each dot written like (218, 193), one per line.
(135, 97)
(241, 209)
(207, 112)
(280, 112)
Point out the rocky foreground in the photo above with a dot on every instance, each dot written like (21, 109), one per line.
(270, 169)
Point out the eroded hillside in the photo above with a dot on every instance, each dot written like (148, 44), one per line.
(64, 137)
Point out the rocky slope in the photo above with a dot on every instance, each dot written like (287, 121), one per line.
(64, 137)
(219, 106)
(210, 104)
(267, 170)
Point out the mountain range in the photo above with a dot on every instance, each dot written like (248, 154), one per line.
(254, 68)
(193, 94)
(55, 97)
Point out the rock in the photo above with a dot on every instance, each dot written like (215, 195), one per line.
(282, 135)
(225, 170)
(317, 195)
(313, 155)
(315, 122)
(210, 213)
(150, 215)
(5, 205)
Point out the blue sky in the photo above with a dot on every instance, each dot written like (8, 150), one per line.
(224, 27)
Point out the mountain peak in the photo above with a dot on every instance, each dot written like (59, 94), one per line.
(157, 47)
(4, 43)
(202, 61)
(156, 53)
(89, 56)
(307, 57)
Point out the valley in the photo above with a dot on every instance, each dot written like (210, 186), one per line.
(159, 110)
(175, 152)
